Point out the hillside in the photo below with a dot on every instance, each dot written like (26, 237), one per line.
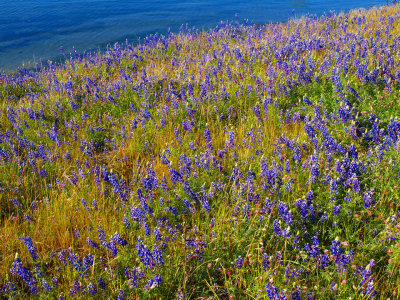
(248, 161)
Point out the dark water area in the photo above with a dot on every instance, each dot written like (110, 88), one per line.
(34, 30)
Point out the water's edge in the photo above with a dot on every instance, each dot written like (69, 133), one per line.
(34, 30)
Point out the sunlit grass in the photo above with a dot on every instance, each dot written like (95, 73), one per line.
(299, 113)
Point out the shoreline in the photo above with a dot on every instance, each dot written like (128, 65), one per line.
(59, 59)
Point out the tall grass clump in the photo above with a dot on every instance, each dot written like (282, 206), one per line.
(248, 161)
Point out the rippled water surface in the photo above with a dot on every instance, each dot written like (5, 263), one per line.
(31, 30)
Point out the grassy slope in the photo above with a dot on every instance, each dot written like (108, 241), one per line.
(123, 110)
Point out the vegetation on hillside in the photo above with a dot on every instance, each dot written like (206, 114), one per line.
(245, 162)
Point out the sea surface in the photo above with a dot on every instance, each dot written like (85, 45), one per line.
(34, 30)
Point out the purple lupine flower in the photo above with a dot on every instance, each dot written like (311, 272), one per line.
(246, 211)
(74, 105)
(185, 165)
(102, 237)
(73, 259)
(375, 132)
(353, 152)
(235, 173)
(296, 294)
(367, 279)
(157, 255)
(28, 218)
(92, 289)
(257, 112)
(55, 281)
(88, 261)
(145, 254)
(370, 291)
(285, 214)
(277, 227)
(143, 202)
(309, 130)
(137, 214)
(31, 248)
(341, 259)
(287, 166)
(101, 283)
(15, 202)
(268, 206)
(92, 243)
(8, 287)
(314, 168)
(175, 176)
(117, 238)
(231, 139)
(336, 209)
(207, 135)
(120, 295)
(297, 154)
(157, 234)
(147, 230)
(38, 271)
(46, 286)
(18, 269)
(354, 183)
(61, 257)
(239, 262)
(302, 208)
(125, 222)
(164, 159)
(367, 200)
(265, 262)
(333, 190)
(272, 292)
(154, 282)
(94, 204)
(205, 203)
(186, 203)
(134, 277)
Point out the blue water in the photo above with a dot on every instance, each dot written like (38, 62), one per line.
(31, 30)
